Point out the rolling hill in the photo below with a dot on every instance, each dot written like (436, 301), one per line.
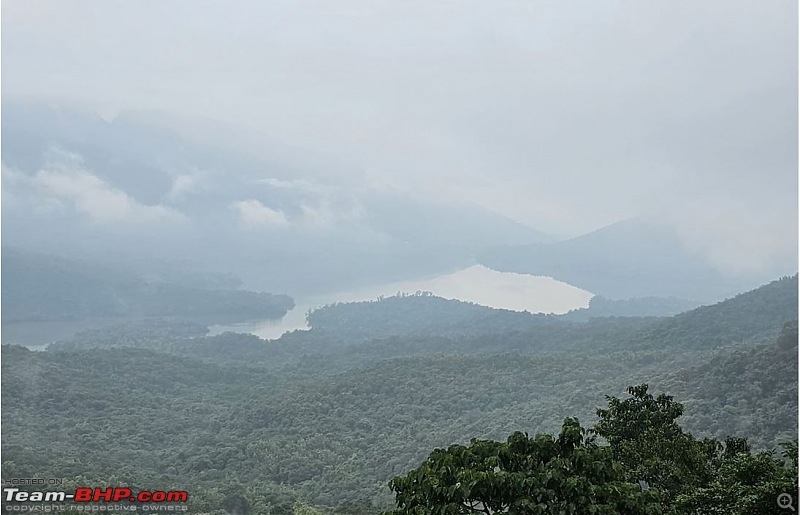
(638, 257)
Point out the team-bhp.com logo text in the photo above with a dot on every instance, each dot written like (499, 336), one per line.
(85, 494)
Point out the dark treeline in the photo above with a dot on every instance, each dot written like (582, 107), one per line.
(38, 287)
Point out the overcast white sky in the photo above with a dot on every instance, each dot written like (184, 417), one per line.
(563, 115)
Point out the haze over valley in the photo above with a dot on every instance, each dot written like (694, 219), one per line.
(401, 258)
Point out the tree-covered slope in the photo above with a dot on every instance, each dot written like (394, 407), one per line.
(421, 313)
(743, 391)
(755, 315)
(338, 438)
(636, 307)
(42, 287)
(344, 336)
(330, 415)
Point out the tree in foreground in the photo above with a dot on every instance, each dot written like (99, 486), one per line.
(650, 466)
(744, 484)
(697, 477)
(569, 474)
(646, 439)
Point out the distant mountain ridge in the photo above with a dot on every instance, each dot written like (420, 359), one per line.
(639, 257)
(600, 306)
(284, 222)
(133, 189)
(756, 314)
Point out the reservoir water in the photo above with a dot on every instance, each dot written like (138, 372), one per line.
(477, 284)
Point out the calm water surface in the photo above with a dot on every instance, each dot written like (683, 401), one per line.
(478, 284)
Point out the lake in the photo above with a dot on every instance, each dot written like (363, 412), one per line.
(478, 284)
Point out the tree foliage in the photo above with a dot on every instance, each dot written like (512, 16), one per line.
(646, 439)
(543, 475)
(650, 466)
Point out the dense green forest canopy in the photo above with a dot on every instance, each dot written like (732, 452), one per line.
(344, 336)
(322, 420)
(649, 466)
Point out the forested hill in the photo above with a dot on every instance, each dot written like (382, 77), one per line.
(421, 313)
(600, 306)
(43, 287)
(328, 416)
(222, 430)
(743, 391)
(344, 336)
(755, 315)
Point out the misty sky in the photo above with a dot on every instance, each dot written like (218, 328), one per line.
(565, 116)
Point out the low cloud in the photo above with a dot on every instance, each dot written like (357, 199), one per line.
(184, 184)
(295, 184)
(741, 243)
(64, 182)
(253, 213)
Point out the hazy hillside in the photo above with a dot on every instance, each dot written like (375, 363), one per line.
(41, 287)
(633, 258)
(600, 306)
(350, 335)
(752, 315)
(131, 191)
(146, 194)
